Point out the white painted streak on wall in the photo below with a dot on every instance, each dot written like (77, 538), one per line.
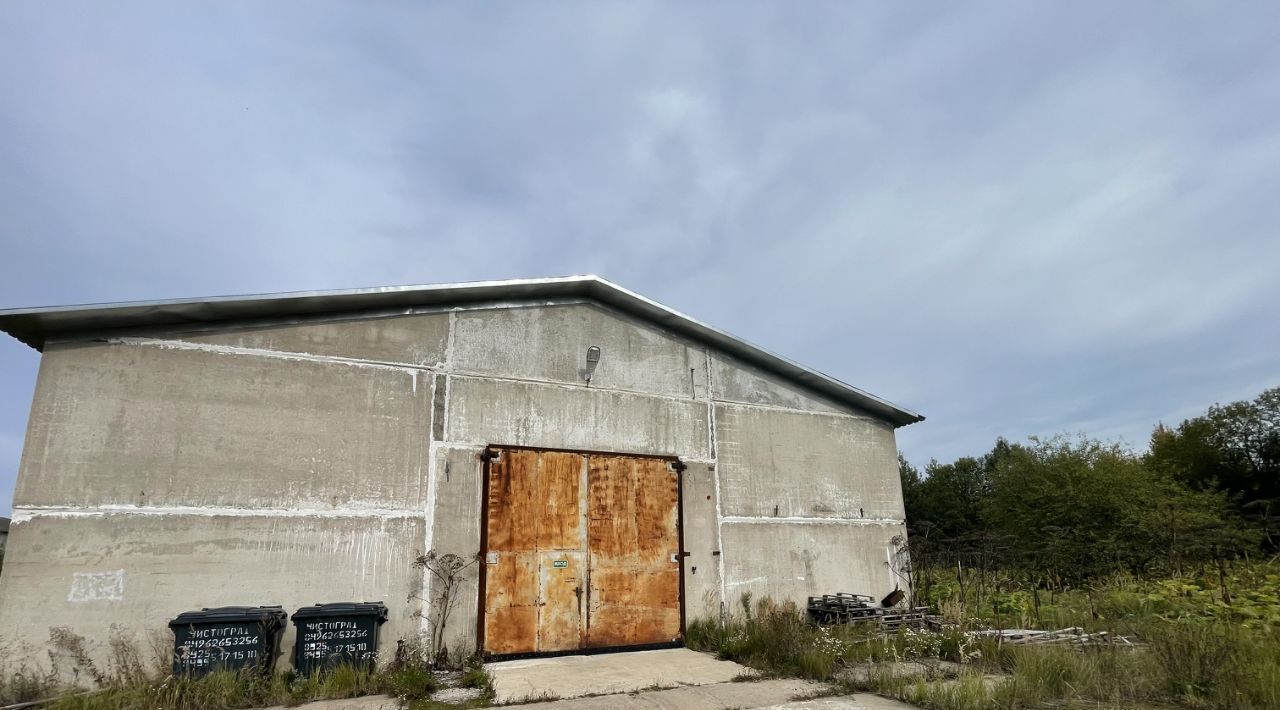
(272, 354)
(792, 410)
(739, 519)
(469, 375)
(96, 587)
(22, 514)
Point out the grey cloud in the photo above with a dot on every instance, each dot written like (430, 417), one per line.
(1016, 218)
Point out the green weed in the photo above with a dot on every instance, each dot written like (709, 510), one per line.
(1181, 659)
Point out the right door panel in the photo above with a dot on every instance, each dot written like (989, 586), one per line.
(633, 552)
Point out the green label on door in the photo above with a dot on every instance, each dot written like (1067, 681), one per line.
(560, 563)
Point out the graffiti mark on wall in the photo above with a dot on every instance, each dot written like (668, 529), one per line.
(97, 586)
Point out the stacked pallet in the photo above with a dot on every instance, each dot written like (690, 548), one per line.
(845, 608)
(1074, 636)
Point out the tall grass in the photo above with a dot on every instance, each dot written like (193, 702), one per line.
(225, 690)
(778, 640)
(1053, 677)
(1218, 665)
(26, 683)
(1188, 662)
(127, 681)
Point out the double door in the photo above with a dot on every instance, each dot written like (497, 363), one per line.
(580, 551)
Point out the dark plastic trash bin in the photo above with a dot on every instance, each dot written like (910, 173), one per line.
(226, 638)
(336, 634)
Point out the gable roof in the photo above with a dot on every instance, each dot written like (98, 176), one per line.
(34, 326)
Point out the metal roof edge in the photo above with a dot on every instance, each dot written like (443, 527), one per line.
(33, 326)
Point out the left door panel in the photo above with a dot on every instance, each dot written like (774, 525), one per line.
(535, 537)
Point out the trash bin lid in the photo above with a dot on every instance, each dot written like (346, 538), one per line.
(377, 609)
(273, 615)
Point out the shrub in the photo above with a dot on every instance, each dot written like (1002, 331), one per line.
(410, 683)
(1218, 664)
(475, 676)
(25, 684)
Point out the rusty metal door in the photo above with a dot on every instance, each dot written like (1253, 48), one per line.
(634, 552)
(534, 552)
(581, 551)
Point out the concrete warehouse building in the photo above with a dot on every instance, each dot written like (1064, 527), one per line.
(608, 468)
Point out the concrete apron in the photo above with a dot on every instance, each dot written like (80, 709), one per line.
(657, 680)
(774, 694)
(670, 679)
(607, 673)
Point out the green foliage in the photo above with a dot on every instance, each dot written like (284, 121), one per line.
(1076, 532)
(1064, 511)
(1060, 495)
(1117, 603)
(1232, 449)
(1035, 677)
(1194, 648)
(949, 498)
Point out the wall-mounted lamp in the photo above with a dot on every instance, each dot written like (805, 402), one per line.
(593, 359)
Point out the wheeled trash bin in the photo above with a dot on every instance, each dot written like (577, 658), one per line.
(226, 638)
(344, 633)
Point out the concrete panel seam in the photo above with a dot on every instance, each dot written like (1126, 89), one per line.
(411, 370)
(448, 389)
(24, 513)
(706, 371)
(429, 533)
(795, 520)
(448, 340)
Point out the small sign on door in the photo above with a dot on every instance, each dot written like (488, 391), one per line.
(560, 563)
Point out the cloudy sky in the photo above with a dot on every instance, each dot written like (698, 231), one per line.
(1015, 218)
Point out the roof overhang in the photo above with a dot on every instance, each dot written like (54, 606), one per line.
(34, 326)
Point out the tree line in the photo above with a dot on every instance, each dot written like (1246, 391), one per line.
(1064, 510)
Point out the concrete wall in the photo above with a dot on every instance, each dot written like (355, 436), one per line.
(154, 426)
(88, 572)
(307, 463)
